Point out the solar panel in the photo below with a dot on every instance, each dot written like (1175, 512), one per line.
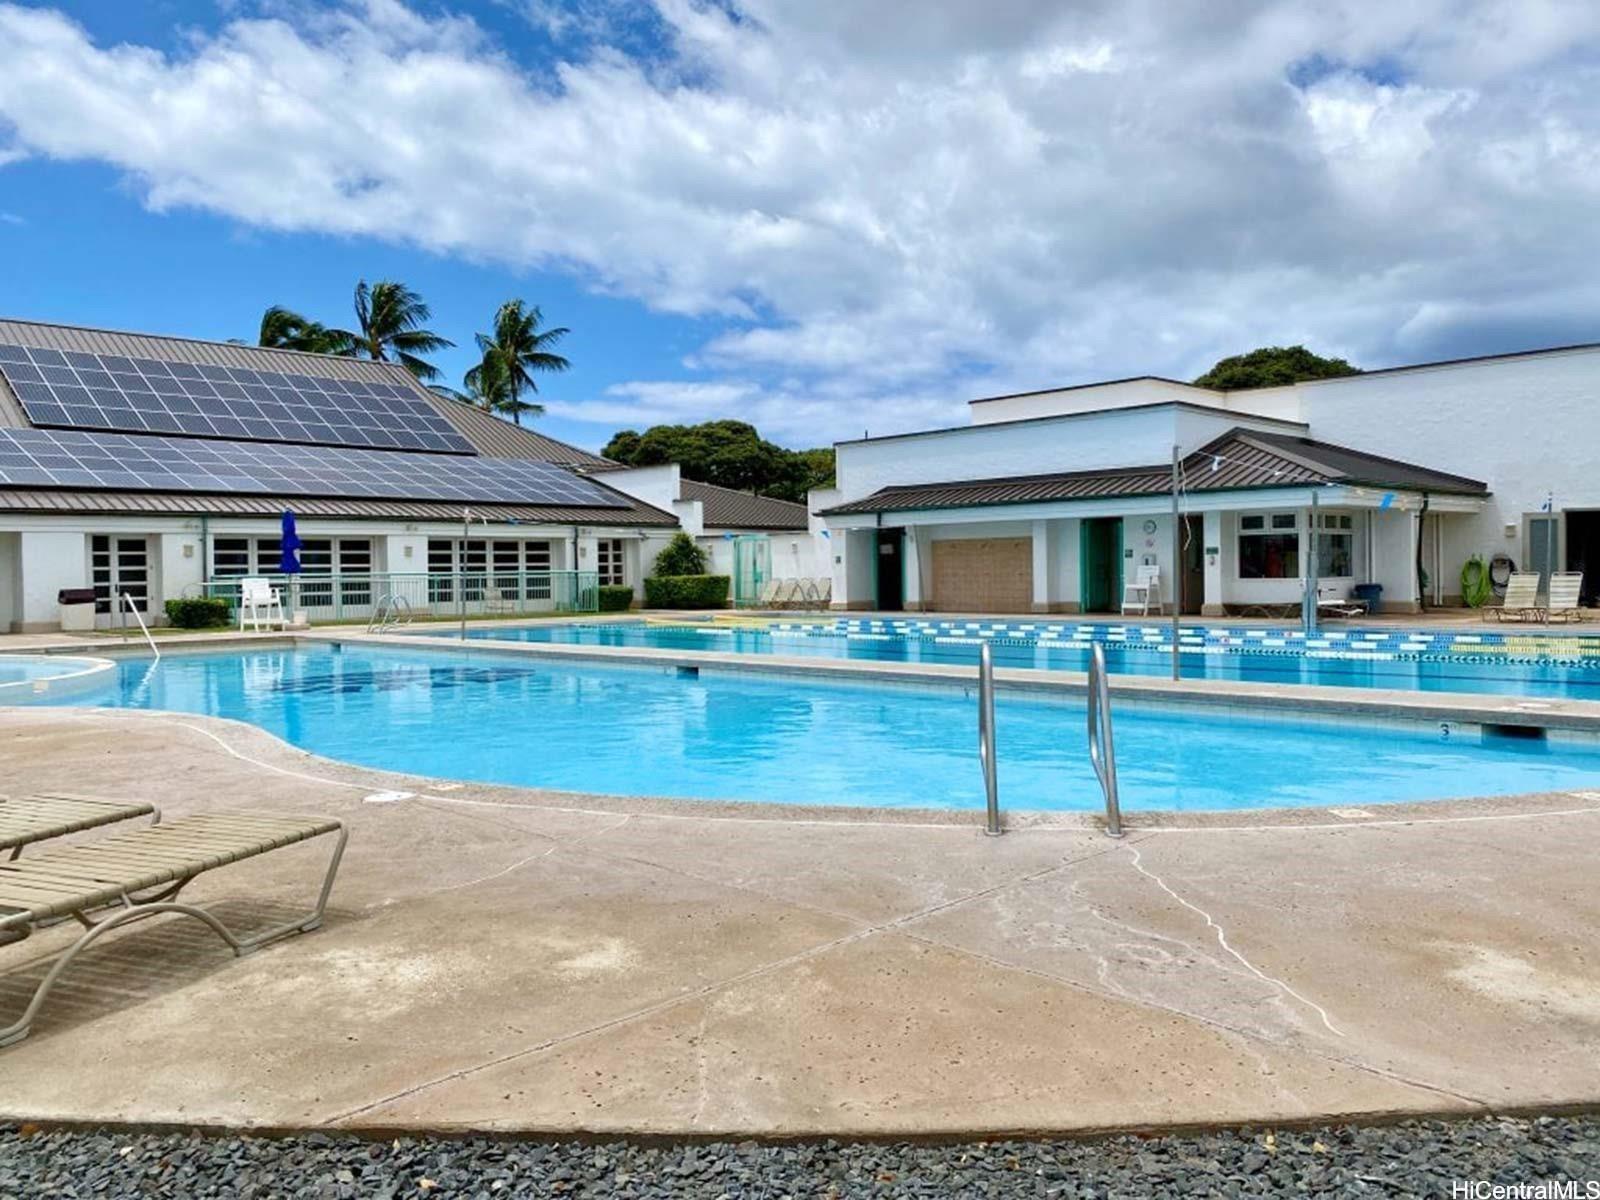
(77, 390)
(80, 459)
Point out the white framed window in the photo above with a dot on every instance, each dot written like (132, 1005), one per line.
(1336, 546)
(234, 556)
(517, 569)
(1269, 546)
(608, 561)
(119, 564)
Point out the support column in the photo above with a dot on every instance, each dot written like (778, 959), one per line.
(177, 571)
(1214, 551)
(1044, 567)
(913, 570)
(854, 567)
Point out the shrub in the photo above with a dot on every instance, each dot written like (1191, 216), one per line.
(615, 597)
(686, 591)
(681, 557)
(198, 612)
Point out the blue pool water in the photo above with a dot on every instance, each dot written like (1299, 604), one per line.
(651, 731)
(1437, 673)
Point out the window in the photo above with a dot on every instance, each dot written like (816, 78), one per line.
(1336, 546)
(608, 560)
(516, 569)
(1269, 546)
(119, 564)
(232, 557)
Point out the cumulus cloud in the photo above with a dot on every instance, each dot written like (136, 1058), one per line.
(881, 218)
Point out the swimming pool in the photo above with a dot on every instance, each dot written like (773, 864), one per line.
(1494, 663)
(637, 730)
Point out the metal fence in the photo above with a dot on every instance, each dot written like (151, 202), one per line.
(353, 597)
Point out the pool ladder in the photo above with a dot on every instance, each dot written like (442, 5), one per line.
(1102, 743)
(392, 611)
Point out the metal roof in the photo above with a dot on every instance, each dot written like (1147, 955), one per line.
(1240, 459)
(494, 438)
(725, 508)
(170, 504)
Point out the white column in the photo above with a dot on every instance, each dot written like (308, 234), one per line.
(1044, 567)
(178, 571)
(48, 562)
(854, 564)
(402, 553)
(913, 570)
(1215, 555)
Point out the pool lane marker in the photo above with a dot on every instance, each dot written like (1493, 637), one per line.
(1222, 940)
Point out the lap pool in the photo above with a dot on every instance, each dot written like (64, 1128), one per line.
(1497, 663)
(650, 731)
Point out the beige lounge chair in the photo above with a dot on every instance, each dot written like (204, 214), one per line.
(25, 820)
(1566, 590)
(1522, 599)
(1330, 603)
(142, 872)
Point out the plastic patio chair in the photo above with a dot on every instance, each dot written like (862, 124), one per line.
(261, 604)
(1143, 592)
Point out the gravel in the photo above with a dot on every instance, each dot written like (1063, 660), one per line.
(1420, 1158)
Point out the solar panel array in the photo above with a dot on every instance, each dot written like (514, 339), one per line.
(81, 459)
(78, 390)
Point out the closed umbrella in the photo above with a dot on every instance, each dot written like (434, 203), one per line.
(289, 554)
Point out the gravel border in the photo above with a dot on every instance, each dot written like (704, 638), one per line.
(1413, 1158)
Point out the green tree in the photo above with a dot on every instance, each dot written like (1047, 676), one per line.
(1272, 366)
(517, 350)
(285, 329)
(390, 319)
(726, 453)
(681, 557)
(484, 387)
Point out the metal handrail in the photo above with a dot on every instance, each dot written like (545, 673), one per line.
(1102, 745)
(390, 612)
(143, 628)
(986, 757)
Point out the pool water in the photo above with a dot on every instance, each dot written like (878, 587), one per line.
(1440, 673)
(634, 730)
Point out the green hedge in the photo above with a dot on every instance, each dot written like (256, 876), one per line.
(198, 612)
(686, 591)
(615, 597)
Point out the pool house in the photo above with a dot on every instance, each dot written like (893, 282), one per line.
(160, 467)
(1057, 501)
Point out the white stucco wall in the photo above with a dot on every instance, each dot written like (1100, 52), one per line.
(1120, 438)
(10, 580)
(1093, 398)
(48, 560)
(1525, 426)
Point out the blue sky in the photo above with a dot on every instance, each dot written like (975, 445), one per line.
(800, 214)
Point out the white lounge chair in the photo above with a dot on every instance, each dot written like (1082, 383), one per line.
(1143, 592)
(769, 594)
(1331, 603)
(261, 604)
(1566, 590)
(1522, 599)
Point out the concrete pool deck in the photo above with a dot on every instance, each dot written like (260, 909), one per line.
(506, 959)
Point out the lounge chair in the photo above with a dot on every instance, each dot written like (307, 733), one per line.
(1522, 599)
(143, 871)
(25, 820)
(1331, 604)
(1566, 591)
(825, 590)
(769, 593)
(784, 597)
(261, 604)
(1143, 593)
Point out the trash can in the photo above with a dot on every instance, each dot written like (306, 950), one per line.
(1368, 593)
(77, 609)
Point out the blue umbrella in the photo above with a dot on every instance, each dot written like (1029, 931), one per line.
(288, 553)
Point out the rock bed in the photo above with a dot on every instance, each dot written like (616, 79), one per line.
(1419, 1158)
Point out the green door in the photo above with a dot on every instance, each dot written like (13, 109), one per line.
(1100, 564)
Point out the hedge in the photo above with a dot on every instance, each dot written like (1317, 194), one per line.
(686, 591)
(198, 612)
(615, 597)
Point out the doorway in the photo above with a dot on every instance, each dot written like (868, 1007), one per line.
(891, 570)
(1583, 550)
(1100, 556)
(1192, 575)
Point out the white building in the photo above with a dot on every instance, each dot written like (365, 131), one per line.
(737, 530)
(160, 468)
(1048, 501)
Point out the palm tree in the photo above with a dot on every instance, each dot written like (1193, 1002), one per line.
(518, 349)
(484, 387)
(285, 329)
(390, 316)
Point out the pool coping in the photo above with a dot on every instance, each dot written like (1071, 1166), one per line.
(1470, 707)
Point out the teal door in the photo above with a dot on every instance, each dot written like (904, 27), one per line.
(1100, 564)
